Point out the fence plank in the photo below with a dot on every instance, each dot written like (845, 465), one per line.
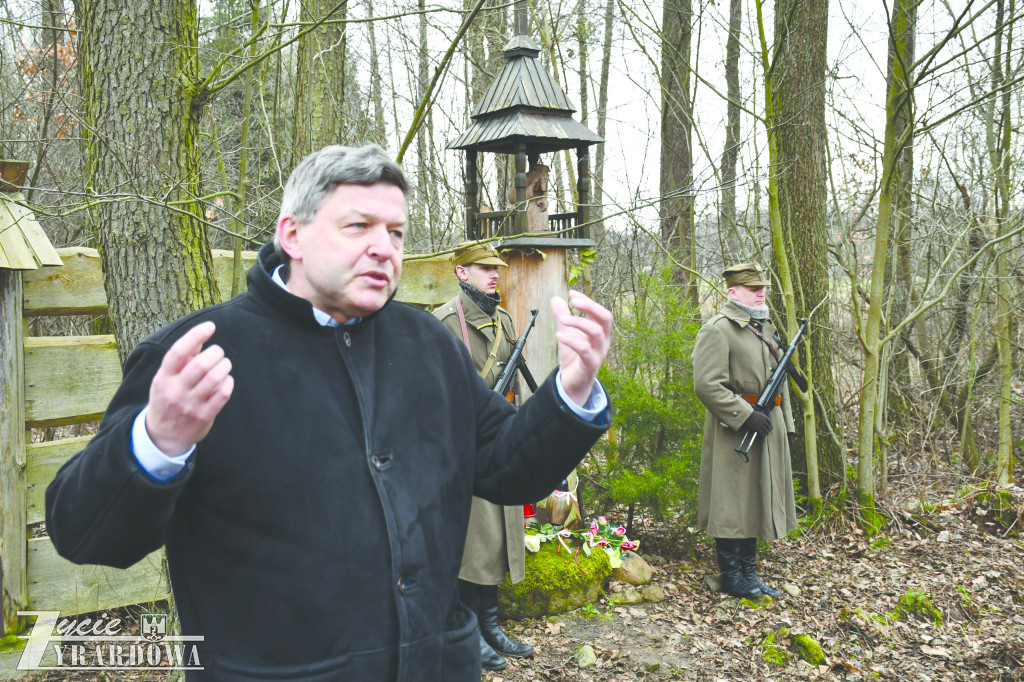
(42, 460)
(12, 451)
(428, 281)
(77, 287)
(74, 289)
(69, 379)
(56, 584)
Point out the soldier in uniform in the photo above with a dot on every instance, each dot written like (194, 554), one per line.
(735, 354)
(494, 540)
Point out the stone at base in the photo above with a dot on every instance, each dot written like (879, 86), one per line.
(652, 593)
(586, 657)
(634, 570)
(625, 594)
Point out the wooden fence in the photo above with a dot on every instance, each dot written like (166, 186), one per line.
(69, 380)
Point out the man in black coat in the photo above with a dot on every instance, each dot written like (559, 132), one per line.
(302, 450)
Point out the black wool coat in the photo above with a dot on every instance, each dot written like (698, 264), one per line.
(317, 531)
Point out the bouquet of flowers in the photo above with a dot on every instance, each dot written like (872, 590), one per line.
(601, 534)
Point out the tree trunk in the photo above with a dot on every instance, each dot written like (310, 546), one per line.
(676, 208)
(379, 129)
(597, 196)
(319, 80)
(732, 245)
(421, 227)
(1001, 210)
(897, 128)
(901, 52)
(140, 116)
(798, 73)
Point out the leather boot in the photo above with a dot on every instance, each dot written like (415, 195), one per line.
(729, 563)
(499, 641)
(469, 594)
(748, 559)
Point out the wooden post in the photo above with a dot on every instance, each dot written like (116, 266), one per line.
(472, 230)
(13, 514)
(532, 280)
(583, 191)
(520, 193)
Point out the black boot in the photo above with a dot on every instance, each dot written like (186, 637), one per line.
(489, 658)
(748, 559)
(729, 563)
(499, 641)
(469, 594)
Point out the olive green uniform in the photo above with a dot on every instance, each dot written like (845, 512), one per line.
(494, 540)
(740, 499)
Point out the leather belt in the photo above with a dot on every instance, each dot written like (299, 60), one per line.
(754, 398)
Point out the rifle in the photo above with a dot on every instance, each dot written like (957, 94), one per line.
(515, 363)
(766, 401)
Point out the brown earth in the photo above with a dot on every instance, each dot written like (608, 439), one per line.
(955, 554)
(850, 586)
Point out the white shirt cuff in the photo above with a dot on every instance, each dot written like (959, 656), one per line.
(597, 403)
(148, 455)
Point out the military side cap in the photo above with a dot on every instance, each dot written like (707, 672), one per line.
(484, 254)
(747, 274)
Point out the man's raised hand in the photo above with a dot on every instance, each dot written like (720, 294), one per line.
(582, 343)
(188, 391)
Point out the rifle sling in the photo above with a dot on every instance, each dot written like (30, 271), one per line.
(758, 334)
(493, 355)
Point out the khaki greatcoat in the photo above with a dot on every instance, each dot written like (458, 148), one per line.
(494, 540)
(740, 499)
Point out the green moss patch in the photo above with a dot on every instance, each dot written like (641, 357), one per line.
(556, 582)
(809, 650)
(773, 650)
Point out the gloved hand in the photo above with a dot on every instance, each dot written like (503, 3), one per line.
(759, 423)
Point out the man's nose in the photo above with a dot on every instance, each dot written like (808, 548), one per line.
(380, 246)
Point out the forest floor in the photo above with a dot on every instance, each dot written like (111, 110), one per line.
(951, 552)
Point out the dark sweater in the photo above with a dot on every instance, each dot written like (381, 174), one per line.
(317, 531)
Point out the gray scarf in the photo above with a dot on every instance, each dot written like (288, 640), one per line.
(486, 302)
(755, 313)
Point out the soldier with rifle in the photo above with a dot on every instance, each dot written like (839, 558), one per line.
(494, 540)
(746, 479)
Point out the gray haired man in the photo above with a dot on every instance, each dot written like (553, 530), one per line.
(302, 450)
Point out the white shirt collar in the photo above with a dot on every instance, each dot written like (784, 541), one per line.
(322, 318)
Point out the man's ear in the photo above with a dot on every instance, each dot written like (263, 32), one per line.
(287, 236)
(460, 272)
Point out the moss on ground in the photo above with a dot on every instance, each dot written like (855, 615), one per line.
(809, 650)
(772, 651)
(556, 582)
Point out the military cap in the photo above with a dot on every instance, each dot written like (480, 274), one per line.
(747, 274)
(484, 254)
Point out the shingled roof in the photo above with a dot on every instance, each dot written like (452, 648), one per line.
(524, 103)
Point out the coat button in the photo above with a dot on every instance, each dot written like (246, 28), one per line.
(401, 585)
(347, 339)
(377, 463)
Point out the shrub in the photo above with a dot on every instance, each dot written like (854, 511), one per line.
(652, 459)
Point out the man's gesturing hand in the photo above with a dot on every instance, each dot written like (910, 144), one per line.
(188, 392)
(582, 343)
